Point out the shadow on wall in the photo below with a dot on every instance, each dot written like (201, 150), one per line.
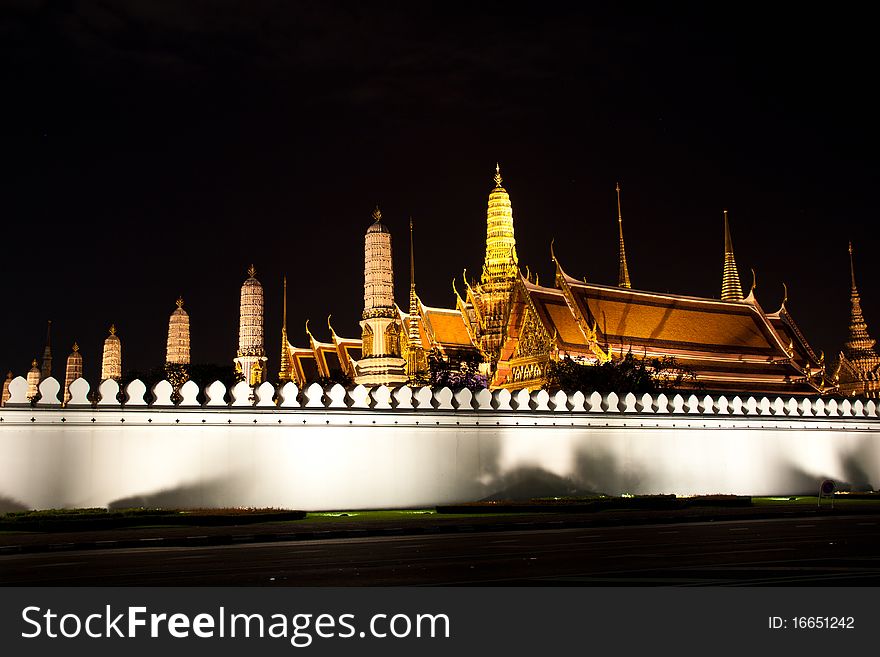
(857, 480)
(226, 492)
(524, 484)
(9, 504)
(595, 473)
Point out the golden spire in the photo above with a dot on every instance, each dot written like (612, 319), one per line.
(731, 288)
(34, 363)
(75, 346)
(623, 270)
(377, 214)
(859, 349)
(113, 329)
(286, 371)
(414, 337)
(497, 175)
(251, 271)
(179, 302)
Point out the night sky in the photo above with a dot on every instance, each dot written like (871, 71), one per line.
(152, 149)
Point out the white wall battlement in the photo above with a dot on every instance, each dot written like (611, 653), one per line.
(378, 448)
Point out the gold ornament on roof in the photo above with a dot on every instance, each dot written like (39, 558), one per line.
(377, 214)
(179, 302)
(497, 175)
(113, 329)
(75, 347)
(251, 271)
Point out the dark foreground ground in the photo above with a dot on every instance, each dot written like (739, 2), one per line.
(768, 544)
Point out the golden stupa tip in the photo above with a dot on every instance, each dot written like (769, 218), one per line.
(34, 363)
(497, 175)
(850, 247)
(251, 271)
(75, 347)
(180, 302)
(377, 214)
(113, 329)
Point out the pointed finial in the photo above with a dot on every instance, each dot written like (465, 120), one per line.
(251, 271)
(179, 302)
(330, 326)
(34, 363)
(852, 267)
(113, 329)
(754, 281)
(412, 257)
(784, 293)
(308, 332)
(377, 214)
(552, 254)
(75, 347)
(622, 268)
(48, 332)
(284, 304)
(497, 175)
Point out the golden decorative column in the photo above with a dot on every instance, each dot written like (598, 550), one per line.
(622, 270)
(111, 361)
(74, 371)
(251, 358)
(416, 361)
(381, 327)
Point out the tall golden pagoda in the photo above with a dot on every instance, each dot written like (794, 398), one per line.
(111, 360)
(286, 371)
(250, 360)
(74, 371)
(858, 370)
(5, 396)
(622, 270)
(731, 288)
(381, 325)
(46, 367)
(177, 346)
(33, 380)
(486, 308)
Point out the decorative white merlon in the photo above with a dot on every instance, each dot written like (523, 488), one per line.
(629, 403)
(693, 404)
(611, 403)
(464, 399)
(483, 400)
(315, 396)
(559, 401)
(49, 388)
(215, 394)
(502, 399)
(79, 393)
(521, 400)
(359, 395)
(736, 406)
(424, 398)
(336, 396)
(403, 397)
(831, 409)
(135, 392)
(162, 392)
(577, 402)
(381, 397)
(241, 394)
(107, 393)
(846, 408)
(189, 393)
(596, 402)
(289, 394)
(443, 397)
(265, 394)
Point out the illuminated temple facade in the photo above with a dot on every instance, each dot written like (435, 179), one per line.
(858, 369)
(516, 327)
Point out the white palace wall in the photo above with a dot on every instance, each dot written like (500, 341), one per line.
(404, 448)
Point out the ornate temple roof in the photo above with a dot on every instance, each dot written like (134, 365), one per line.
(445, 327)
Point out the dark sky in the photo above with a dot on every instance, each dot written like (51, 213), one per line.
(152, 149)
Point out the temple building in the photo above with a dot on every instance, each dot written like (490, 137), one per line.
(111, 360)
(381, 326)
(515, 327)
(6, 394)
(33, 380)
(858, 369)
(46, 366)
(250, 362)
(73, 372)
